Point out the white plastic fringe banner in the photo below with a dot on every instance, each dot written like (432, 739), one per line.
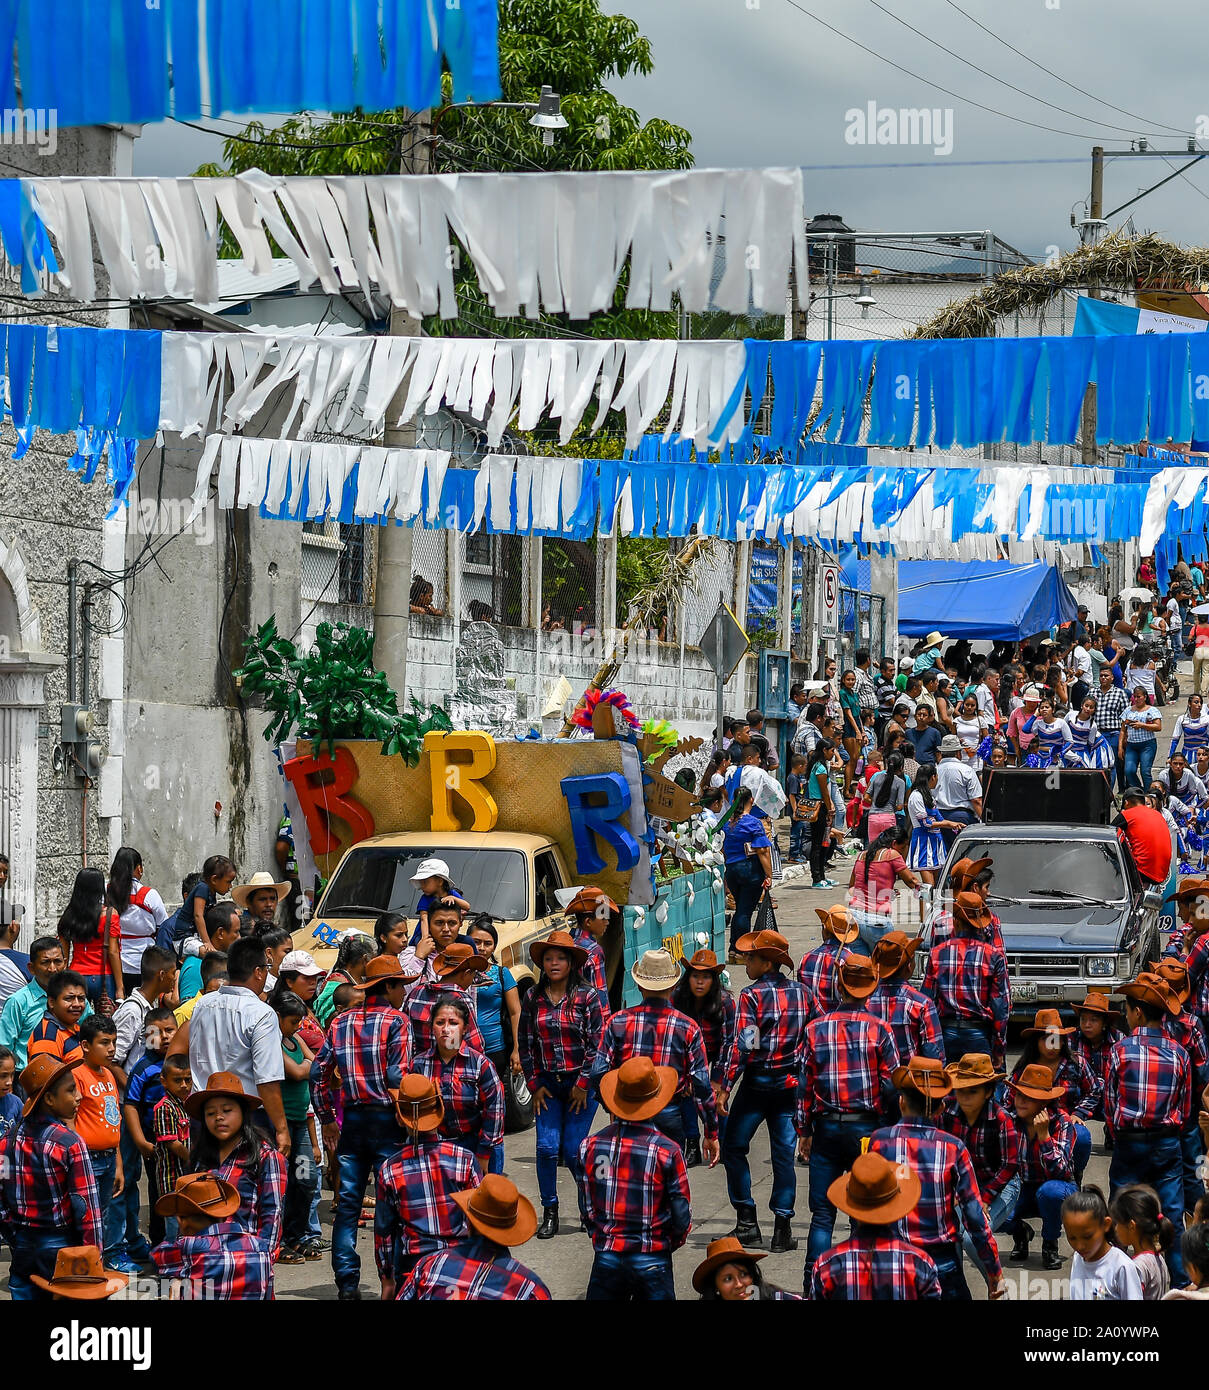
(716, 238)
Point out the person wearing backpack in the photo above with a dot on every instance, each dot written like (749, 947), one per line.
(88, 930)
(140, 911)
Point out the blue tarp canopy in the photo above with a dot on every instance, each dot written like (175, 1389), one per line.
(976, 599)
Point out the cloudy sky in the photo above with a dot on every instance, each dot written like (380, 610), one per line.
(760, 82)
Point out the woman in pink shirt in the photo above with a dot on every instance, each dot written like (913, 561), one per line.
(871, 891)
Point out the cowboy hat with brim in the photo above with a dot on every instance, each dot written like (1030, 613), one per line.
(1098, 1005)
(80, 1275)
(857, 976)
(769, 944)
(243, 891)
(837, 923)
(970, 910)
(926, 1075)
(704, 960)
(593, 902)
(200, 1194)
(1153, 990)
(1036, 1082)
(876, 1191)
(385, 970)
(1175, 972)
(725, 1251)
(638, 1089)
(655, 971)
(455, 958)
(39, 1076)
(964, 872)
(418, 1103)
(221, 1083)
(895, 950)
(933, 639)
(1192, 888)
(1046, 1022)
(558, 941)
(973, 1069)
(498, 1211)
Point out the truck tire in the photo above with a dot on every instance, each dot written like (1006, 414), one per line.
(518, 1102)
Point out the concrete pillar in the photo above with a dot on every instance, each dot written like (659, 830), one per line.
(883, 580)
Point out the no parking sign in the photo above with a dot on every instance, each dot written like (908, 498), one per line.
(829, 601)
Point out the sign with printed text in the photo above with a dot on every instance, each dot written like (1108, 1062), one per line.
(829, 600)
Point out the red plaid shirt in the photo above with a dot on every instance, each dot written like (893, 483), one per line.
(420, 1005)
(1052, 1160)
(718, 1034)
(593, 972)
(942, 930)
(1186, 1030)
(224, 1264)
(474, 1270)
(669, 1038)
(1082, 1089)
(911, 1017)
(950, 1194)
(1197, 962)
(873, 1266)
(817, 972)
(169, 1124)
(370, 1048)
(992, 1141)
(562, 1037)
(1148, 1085)
(46, 1182)
(415, 1212)
(473, 1095)
(635, 1190)
(849, 1066)
(1097, 1060)
(969, 979)
(770, 1029)
(261, 1196)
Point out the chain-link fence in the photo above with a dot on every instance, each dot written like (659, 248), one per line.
(570, 587)
(429, 570)
(494, 579)
(712, 577)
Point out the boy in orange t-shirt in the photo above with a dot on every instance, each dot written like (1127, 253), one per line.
(99, 1119)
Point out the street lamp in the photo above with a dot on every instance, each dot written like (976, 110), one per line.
(547, 112)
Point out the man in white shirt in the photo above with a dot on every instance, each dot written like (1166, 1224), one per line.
(1078, 666)
(958, 790)
(987, 696)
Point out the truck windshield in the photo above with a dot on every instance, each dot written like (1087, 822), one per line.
(1066, 870)
(378, 879)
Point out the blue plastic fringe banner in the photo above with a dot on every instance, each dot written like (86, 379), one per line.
(88, 62)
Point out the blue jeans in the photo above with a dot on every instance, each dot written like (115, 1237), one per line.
(962, 815)
(301, 1182)
(122, 1219)
(1044, 1200)
(1082, 1150)
(670, 1122)
(1139, 759)
(1158, 1159)
(947, 1259)
(33, 1252)
(618, 1278)
(560, 1132)
(104, 1169)
(836, 1144)
(369, 1134)
(759, 1099)
(962, 1036)
(691, 1121)
(871, 927)
(799, 838)
(745, 880)
(95, 986)
(1192, 1146)
(998, 1214)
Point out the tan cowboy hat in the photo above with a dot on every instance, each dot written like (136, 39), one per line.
(243, 891)
(498, 1211)
(1036, 1082)
(876, 1191)
(79, 1275)
(857, 976)
(769, 944)
(383, 970)
(1175, 972)
(837, 923)
(926, 1075)
(1152, 990)
(724, 1251)
(655, 970)
(933, 639)
(973, 1069)
(559, 941)
(39, 1076)
(221, 1083)
(418, 1104)
(704, 960)
(200, 1194)
(455, 957)
(895, 950)
(638, 1089)
(1046, 1022)
(1097, 1004)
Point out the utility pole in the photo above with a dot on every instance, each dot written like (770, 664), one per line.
(1091, 236)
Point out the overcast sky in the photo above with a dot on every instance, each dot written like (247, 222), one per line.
(758, 82)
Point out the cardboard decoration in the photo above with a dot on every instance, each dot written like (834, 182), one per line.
(665, 799)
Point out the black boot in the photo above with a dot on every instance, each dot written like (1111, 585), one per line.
(549, 1226)
(1050, 1259)
(782, 1235)
(692, 1153)
(747, 1228)
(348, 1295)
(1020, 1245)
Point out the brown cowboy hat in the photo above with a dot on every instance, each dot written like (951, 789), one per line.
(727, 1250)
(593, 902)
(926, 1075)
(837, 923)
(498, 1211)
(1046, 1021)
(965, 871)
(39, 1076)
(704, 960)
(1153, 990)
(876, 1191)
(638, 1089)
(385, 970)
(769, 944)
(221, 1083)
(418, 1103)
(79, 1275)
(968, 908)
(559, 941)
(200, 1194)
(973, 1069)
(893, 951)
(455, 957)
(1192, 888)
(1097, 1004)
(1037, 1082)
(1175, 972)
(857, 976)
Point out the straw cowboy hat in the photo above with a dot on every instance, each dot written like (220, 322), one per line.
(243, 891)
(857, 976)
(1098, 1005)
(926, 1075)
(933, 639)
(895, 950)
(221, 1083)
(383, 970)
(724, 1251)
(876, 1191)
(1153, 990)
(837, 923)
(973, 1069)
(638, 1089)
(655, 970)
(200, 1194)
(704, 960)
(1175, 973)
(964, 872)
(498, 1211)
(39, 1076)
(769, 944)
(1046, 1022)
(79, 1275)
(559, 941)
(418, 1104)
(1037, 1082)
(457, 956)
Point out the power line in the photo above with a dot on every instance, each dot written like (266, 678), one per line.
(288, 144)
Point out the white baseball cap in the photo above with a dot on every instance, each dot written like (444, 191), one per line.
(430, 868)
(299, 962)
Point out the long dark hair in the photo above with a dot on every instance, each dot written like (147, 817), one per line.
(81, 919)
(818, 754)
(924, 774)
(384, 922)
(354, 948)
(711, 1294)
(126, 863)
(574, 981)
(894, 768)
(891, 836)
(203, 1152)
(708, 1009)
(1032, 1050)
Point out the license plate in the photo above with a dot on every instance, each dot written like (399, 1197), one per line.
(1025, 992)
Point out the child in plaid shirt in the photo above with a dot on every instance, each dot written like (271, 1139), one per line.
(170, 1129)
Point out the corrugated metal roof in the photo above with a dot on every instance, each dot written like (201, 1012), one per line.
(236, 283)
